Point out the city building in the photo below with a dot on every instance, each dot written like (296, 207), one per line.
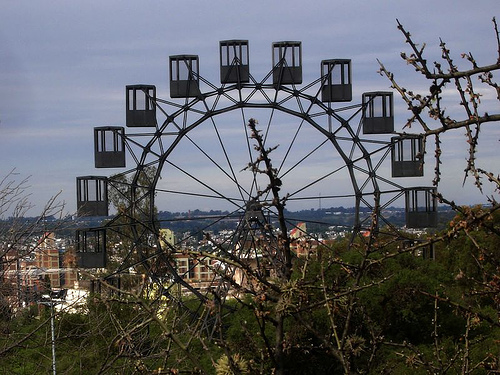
(36, 268)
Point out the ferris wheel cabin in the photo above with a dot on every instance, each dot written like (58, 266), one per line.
(184, 76)
(109, 147)
(287, 63)
(378, 112)
(234, 67)
(421, 207)
(336, 80)
(141, 108)
(91, 248)
(92, 196)
(407, 156)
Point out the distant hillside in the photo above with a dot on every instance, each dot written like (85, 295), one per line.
(318, 220)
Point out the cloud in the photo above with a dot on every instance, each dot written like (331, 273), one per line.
(64, 65)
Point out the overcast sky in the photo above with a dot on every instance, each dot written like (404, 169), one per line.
(64, 65)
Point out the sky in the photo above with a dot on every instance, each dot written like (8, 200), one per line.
(64, 66)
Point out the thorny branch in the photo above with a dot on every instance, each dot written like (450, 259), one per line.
(432, 103)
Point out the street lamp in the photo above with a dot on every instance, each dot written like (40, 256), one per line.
(53, 298)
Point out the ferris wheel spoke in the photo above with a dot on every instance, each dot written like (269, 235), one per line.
(216, 193)
(232, 177)
(290, 146)
(303, 159)
(201, 195)
(290, 195)
(254, 184)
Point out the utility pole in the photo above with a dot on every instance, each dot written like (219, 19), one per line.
(52, 331)
(49, 300)
(18, 282)
(52, 334)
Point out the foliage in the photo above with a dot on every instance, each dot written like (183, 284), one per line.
(231, 366)
(419, 318)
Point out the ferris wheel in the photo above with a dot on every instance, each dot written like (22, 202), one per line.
(212, 154)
